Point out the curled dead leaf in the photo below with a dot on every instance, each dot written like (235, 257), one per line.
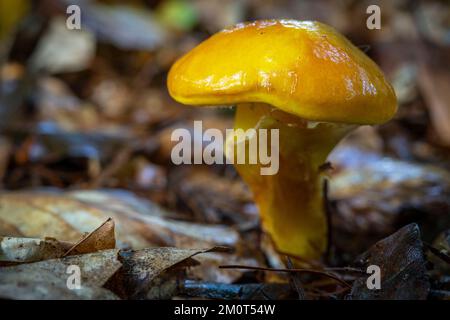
(101, 238)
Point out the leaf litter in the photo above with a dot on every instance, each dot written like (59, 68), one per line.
(86, 176)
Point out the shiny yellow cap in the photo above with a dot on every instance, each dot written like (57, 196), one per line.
(304, 68)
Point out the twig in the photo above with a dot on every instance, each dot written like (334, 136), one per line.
(348, 269)
(326, 274)
(441, 255)
(296, 281)
(327, 209)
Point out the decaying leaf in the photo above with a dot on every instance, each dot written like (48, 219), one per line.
(400, 258)
(28, 249)
(48, 279)
(101, 238)
(128, 273)
(86, 109)
(15, 250)
(22, 286)
(142, 266)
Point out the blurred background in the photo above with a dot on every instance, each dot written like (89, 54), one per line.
(89, 109)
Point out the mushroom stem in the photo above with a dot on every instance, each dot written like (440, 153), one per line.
(291, 201)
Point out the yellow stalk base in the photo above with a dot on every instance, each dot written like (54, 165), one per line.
(290, 202)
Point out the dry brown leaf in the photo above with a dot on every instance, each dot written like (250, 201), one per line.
(22, 286)
(30, 249)
(48, 279)
(30, 219)
(101, 238)
(401, 260)
(96, 268)
(141, 267)
(129, 273)
(9, 229)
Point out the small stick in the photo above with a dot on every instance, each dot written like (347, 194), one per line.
(296, 280)
(288, 270)
(348, 269)
(441, 255)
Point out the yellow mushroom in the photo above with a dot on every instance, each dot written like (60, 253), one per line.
(308, 81)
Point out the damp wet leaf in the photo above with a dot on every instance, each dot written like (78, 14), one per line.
(400, 258)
